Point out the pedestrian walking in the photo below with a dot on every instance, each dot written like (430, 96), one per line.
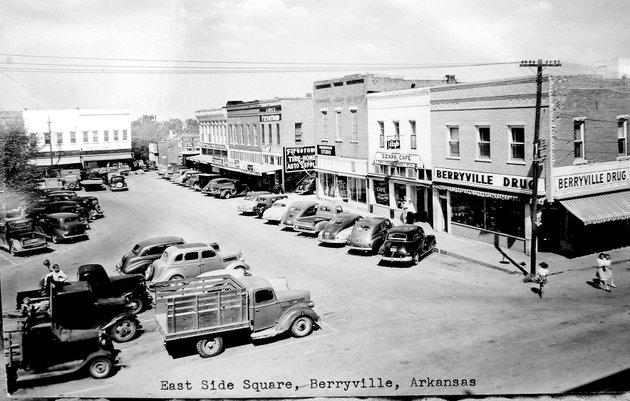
(411, 211)
(611, 282)
(603, 272)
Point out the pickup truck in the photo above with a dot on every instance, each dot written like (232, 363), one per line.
(314, 224)
(18, 236)
(229, 188)
(92, 182)
(204, 310)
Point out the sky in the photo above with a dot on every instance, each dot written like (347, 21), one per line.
(89, 39)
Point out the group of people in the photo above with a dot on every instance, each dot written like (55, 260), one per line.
(604, 276)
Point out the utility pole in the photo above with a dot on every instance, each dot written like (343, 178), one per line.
(538, 159)
(50, 143)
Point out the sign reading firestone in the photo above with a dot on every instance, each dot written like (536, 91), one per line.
(299, 158)
(488, 180)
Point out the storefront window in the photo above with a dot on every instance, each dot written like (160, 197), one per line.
(381, 192)
(400, 191)
(342, 183)
(356, 189)
(328, 184)
(497, 215)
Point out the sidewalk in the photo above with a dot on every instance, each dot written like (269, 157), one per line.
(505, 260)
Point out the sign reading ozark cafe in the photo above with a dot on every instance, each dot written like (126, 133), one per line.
(398, 159)
(299, 158)
(488, 181)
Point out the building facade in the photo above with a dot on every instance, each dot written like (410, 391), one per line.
(79, 138)
(399, 162)
(341, 132)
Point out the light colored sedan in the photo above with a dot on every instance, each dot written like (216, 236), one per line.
(277, 211)
(337, 230)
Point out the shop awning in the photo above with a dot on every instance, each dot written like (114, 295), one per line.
(204, 159)
(476, 192)
(600, 208)
(109, 156)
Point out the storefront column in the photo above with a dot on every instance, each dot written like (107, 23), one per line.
(528, 227)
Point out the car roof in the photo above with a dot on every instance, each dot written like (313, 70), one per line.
(191, 245)
(406, 228)
(280, 196)
(62, 215)
(346, 216)
(159, 240)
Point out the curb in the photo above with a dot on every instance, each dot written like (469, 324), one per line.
(468, 259)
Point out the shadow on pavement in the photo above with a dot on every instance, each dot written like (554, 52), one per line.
(615, 383)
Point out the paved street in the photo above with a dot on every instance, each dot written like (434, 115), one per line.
(416, 327)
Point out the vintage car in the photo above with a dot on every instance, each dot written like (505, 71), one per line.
(337, 230)
(62, 207)
(194, 177)
(171, 170)
(190, 260)
(306, 185)
(228, 188)
(18, 236)
(212, 183)
(200, 180)
(250, 202)
(118, 183)
(368, 234)
(313, 224)
(92, 181)
(57, 197)
(278, 211)
(406, 243)
(266, 201)
(296, 210)
(62, 227)
(144, 253)
(90, 203)
(183, 177)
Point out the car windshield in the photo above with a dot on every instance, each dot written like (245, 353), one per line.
(363, 228)
(136, 249)
(70, 219)
(279, 204)
(19, 225)
(336, 221)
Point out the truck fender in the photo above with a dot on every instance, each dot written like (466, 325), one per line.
(120, 317)
(171, 273)
(285, 321)
(100, 353)
(238, 264)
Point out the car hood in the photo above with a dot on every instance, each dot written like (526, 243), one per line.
(291, 295)
(275, 213)
(362, 236)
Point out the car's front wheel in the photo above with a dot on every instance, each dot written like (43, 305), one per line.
(56, 238)
(100, 367)
(176, 277)
(136, 305)
(123, 331)
(302, 326)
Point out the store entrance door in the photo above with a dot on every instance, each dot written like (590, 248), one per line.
(444, 208)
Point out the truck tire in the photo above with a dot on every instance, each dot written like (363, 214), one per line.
(136, 305)
(302, 326)
(100, 367)
(176, 277)
(124, 330)
(210, 346)
(226, 195)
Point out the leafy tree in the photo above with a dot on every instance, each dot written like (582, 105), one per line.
(19, 176)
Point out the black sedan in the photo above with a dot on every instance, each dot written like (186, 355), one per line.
(406, 243)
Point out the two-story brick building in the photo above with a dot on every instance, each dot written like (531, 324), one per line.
(341, 132)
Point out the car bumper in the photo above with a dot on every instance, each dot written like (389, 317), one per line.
(396, 258)
(302, 229)
(73, 236)
(331, 241)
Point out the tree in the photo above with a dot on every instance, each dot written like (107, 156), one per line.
(19, 176)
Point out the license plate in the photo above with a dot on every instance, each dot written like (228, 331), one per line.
(327, 235)
(393, 249)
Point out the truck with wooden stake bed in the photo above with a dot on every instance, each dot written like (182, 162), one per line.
(205, 310)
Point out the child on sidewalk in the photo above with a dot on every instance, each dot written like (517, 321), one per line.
(603, 272)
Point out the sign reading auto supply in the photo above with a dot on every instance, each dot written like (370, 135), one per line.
(299, 158)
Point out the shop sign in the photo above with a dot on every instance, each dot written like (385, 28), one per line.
(218, 161)
(397, 159)
(577, 180)
(250, 167)
(217, 146)
(299, 158)
(326, 150)
(381, 192)
(270, 117)
(480, 179)
(271, 109)
(393, 144)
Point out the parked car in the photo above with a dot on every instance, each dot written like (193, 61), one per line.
(215, 182)
(92, 181)
(296, 210)
(144, 253)
(306, 185)
(337, 230)
(249, 204)
(201, 180)
(368, 234)
(161, 169)
(118, 183)
(190, 260)
(62, 227)
(266, 201)
(62, 193)
(194, 177)
(313, 224)
(229, 188)
(18, 236)
(90, 203)
(56, 197)
(183, 177)
(278, 211)
(62, 207)
(406, 243)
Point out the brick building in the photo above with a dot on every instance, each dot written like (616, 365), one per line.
(341, 132)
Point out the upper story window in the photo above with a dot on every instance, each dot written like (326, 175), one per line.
(262, 133)
(298, 133)
(483, 142)
(453, 141)
(124, 135)
(413, 142)
(278, 133)
(397, 130)
(241, 134)
(59, 137)
(622, 135)
(578, 138)
(325, 124)
(270, 134)
(105, 136)
(47, 138)
(247, 134)
(254, 135)
(381, 134)
(353, 124)
(337, 125)
(73, 137)
(86, 139)
(94, 136)
(115, 135)
(517, 143)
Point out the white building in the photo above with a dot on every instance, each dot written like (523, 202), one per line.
(80, 138)
(399, 146)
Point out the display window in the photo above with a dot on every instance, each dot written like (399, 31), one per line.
(497, 215)
(356, 190)
(328, 184)
(400, 191)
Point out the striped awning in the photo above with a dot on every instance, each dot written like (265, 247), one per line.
(600, 208)
(476, 192)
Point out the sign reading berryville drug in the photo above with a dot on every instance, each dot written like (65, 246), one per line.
(582, 180)
(299, 158)
(486, 180)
